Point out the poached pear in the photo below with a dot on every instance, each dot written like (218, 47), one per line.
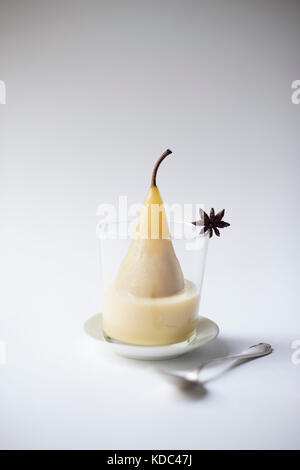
(150, 267)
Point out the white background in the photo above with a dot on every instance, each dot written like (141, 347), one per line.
(96, 90)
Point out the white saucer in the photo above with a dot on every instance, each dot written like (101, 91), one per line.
(205, 331)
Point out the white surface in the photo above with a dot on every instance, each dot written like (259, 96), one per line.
(95, 91)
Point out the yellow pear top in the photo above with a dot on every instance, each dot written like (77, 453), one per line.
(152, 223)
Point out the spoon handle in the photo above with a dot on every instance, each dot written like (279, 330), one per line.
(258, 350)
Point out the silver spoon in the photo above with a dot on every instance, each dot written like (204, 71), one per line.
(191, 377)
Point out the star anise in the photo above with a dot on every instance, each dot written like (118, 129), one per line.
(211, 223)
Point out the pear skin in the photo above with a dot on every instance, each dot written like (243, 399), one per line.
(151, 268)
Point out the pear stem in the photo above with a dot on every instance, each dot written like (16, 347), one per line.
(161, 158)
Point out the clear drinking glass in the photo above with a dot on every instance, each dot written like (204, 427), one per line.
(145, 321)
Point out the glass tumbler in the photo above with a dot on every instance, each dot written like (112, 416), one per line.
(143, 319)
